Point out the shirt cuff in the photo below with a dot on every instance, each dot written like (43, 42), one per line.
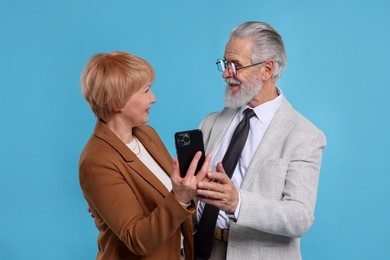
(233, 217)
(185, 205)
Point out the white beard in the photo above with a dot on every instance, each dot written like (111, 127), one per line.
(245, 93)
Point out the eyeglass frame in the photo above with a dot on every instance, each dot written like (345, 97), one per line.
(232, 67)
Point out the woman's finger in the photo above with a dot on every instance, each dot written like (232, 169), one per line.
(175, 169)
(205, 168)
(193, 165)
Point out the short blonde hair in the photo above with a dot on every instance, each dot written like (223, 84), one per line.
(110, 79)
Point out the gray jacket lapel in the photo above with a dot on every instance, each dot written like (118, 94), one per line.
(218, 126)
(272, 141)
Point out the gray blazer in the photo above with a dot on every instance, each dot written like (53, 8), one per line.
(279, 190)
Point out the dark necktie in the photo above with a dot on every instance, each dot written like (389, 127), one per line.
(204, 236)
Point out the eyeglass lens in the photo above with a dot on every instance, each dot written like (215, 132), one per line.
(221, 65)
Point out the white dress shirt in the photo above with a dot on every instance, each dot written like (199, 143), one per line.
(258, 126)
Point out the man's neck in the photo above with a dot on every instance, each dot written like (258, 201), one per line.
(268, 92)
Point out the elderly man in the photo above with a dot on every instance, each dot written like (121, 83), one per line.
(266, 158)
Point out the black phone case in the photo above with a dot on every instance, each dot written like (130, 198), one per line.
(187, 144)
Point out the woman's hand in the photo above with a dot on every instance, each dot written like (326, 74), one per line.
(184, 189)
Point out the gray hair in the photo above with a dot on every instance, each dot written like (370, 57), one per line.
(268, 44)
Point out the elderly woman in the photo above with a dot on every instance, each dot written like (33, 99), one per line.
(141, 205)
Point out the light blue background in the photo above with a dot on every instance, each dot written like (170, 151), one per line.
(337, 76)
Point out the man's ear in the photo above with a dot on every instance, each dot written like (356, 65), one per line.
(268, 70)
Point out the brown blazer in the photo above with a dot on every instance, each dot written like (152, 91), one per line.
(138, 218)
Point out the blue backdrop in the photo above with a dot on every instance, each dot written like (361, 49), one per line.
(337, 76)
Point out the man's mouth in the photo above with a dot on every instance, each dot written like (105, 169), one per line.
(234, 86)
(232, 83)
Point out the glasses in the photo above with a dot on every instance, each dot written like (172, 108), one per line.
(222, 64)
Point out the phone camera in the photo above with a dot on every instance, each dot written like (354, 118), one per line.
(183, 139)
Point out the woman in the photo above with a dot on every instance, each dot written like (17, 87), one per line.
(141, 205)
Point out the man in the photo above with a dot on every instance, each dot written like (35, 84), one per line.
(268, 203)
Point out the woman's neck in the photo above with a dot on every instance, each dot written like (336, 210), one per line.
(121, 129)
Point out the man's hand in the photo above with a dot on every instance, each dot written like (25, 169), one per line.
(220, 191)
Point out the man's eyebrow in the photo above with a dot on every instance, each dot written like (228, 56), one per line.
(236, 62)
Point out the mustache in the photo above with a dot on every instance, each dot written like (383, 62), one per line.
(232, 81)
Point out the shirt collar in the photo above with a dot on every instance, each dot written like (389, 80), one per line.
(267, 110)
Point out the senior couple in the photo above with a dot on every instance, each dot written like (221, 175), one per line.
(254, 196)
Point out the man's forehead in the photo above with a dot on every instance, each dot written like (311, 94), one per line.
(238, 49)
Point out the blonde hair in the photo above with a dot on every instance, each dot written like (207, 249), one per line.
(110, 79)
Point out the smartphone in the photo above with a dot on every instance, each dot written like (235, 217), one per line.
(187, 144)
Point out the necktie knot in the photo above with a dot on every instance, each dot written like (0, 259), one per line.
(249, 113)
